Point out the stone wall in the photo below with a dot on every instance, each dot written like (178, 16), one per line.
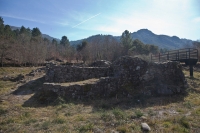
(103, 87)
(164, 78)
(61, 74)
(126, 77)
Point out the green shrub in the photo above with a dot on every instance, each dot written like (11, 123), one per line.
(138, 113)
(167, 124)
(3, 111)
(184, 122)
(118, 113)
(58, 121)
(59, 101)
(85, 128)
(122, 129)
(8, 121)
(28, 122)
(45, 125)
(188, 105)
(197, 111)
(107, 116)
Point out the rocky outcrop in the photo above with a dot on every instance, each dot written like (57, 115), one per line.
(126, 77)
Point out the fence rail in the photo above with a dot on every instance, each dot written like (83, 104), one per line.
(176, 55)
(187, 55)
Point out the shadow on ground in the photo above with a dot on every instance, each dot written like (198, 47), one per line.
(30, 87)
(39, 99)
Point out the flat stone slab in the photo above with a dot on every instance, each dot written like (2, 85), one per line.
(81, 83)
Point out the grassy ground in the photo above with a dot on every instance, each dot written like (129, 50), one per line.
(5, 86)
(21, 112)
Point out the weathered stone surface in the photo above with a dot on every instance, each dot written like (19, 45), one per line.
(113, 131)
(13, 79)
(61, 74)
(92, 88)
(145, 127)
(101, 63)
(126, 77)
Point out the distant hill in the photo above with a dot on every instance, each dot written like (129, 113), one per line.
(95, 39)
(14, 27)
(144, 35)
(50, 38)
(43, 35)
(163, 41)
(147, 37)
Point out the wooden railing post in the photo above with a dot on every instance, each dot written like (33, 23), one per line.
(186, 55)
(178, 55)
(168, 55)
(191, 70)
(182, 55)
(189, 53)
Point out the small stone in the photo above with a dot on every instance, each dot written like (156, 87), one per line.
(138, 68)
(143, 117)
(145, 127)
(1, 101)
(113, 131)
(97, 130)
(133, 117)
(112, 124)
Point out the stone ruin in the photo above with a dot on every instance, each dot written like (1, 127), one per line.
(126, 77)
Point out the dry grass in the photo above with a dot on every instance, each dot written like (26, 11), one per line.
(163, 114)
(13, 71)
(6, 86)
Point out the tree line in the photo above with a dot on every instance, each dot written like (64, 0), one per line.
(26, 46)
(110, 49)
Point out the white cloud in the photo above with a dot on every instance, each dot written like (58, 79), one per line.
(196, 20)
(116, 25)
(86, 20)
(109, 29)
(169, 17)
(23, 18)
(62, 23)
(172, 4)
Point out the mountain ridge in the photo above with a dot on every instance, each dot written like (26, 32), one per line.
(147, 37)
(144, 35)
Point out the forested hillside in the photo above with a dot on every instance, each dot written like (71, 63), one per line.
(148, 37)
(25, 47)
(163, 41)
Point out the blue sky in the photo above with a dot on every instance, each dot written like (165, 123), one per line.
(78, 19)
